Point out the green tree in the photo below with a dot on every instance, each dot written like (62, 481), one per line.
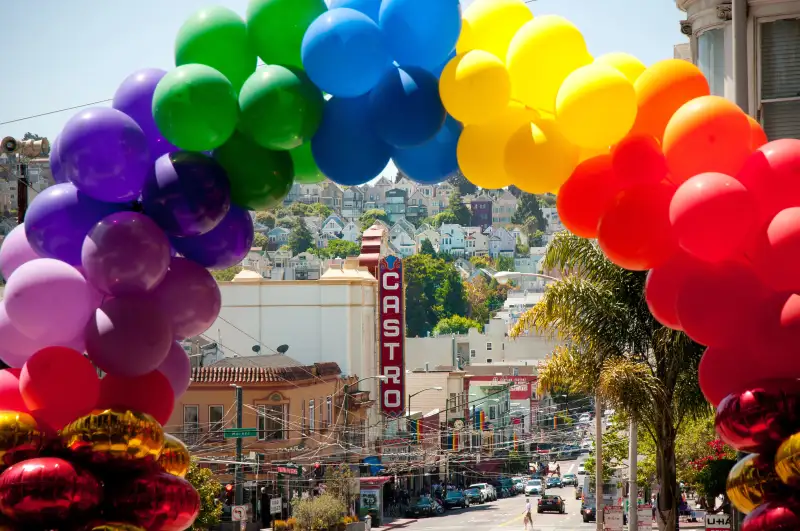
(299, 209)
(318, 513)
(226, 275)
(319, 209)
(339, 249)
(483, 262)
(615, 350)
(426, 247)
(287, 222)
(505, 263)
(339, 484)
(31, 136)
(536, 239)
(368, 218)
(436, 290)
(266, 218)
(300, 239)
(477, 293)
(459, 209)
(461, 183)
(456, 324)
(202, 479)
(260, 240)
(522, 250)
(548, 200)
(528, 206)
(445, 217)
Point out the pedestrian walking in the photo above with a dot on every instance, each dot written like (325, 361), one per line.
(527, 518)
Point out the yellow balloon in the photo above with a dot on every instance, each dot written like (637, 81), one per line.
(538, 158)
(541, 55)
(596, 106)
(628, 65)
(491, 24)
(590, 153)
(475, 87)
(481, 147)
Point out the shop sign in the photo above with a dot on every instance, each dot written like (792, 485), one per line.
(391, 308)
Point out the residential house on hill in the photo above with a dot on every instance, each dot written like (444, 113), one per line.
(396, 204)
(452, 239)
(476, 243)
(501, 243)
(553, 221)
(331, 228)
(503, 208)
(402, 239)
(332, 195)
(428, 234)
(404, 183)
(351, 231)
(352, 203)
(481, 208)
(277, 237)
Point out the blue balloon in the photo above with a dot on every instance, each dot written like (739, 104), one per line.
(420, 32)
(435, 160)
(437, 72)
(344, 53)
(371, 8)
(406, 108)
(346, 147)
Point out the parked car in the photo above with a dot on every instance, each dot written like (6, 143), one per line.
(519, 485)
(588, 511)
(551, 503)
(455, 498)
(489, 493)
(569, 479)
(585, 418)
(554, 482)
(581, 469)
(475, 495)
(534, 487)
(579, 492)
(425, 506)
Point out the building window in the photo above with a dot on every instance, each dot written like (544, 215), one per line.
(329, 410)
(322, 418)
(711, 58)
(472, 353)
(453, 402)
(215, 415)
(272, 422)
(303, 417)
(780, 78)
(488, 360)
(311, 417)
(488, 346)
(492, 412)
(191, 418)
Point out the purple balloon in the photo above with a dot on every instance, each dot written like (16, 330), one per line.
(104, 153)
(125, 253)
(48, 300)
(186, 193)
(134, 97)
(16, 347)
(60, 218)
(225, 246)
(190, 296)
(128, 336)
(15, 251)
(55, 164)
(177, 368)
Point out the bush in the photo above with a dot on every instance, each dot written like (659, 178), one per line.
(350, 520)
(280, 525)
(292, 524)
(318, 514)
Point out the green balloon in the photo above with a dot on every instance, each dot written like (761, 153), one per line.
(195, 107)
(306, 170)
(280, 108)
(260, 178)
(217, 37)
(276, 28)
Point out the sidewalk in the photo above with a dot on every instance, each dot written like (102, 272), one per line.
(396, 523)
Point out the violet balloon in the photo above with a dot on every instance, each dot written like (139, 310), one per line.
(60, 218)
(56, 169)
(128, 336)
(223, 247)
(15, 251)
(134, 97)
(177, 368)
(105, 154)
(186, 193)
(48, 300)
(125, 253)
(190, 296)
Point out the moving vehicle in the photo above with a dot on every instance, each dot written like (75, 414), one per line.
(455, 498)
(534, 487)
(551, 503)
(519, 485)
(585, 418)
(474, 495)
(581, 469)
(554, 482)
(588, 511)
(489, 493)
(425, 506)
(569, 479)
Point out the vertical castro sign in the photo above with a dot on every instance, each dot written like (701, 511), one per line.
(391, 306)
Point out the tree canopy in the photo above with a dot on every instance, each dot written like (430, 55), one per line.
(436, 290)
(459, 210)
(338, 249)
(456, 324)
(226, 275)
(461, 183)
(368, 218)
(300, 239)
(528, 206)
(202, 479)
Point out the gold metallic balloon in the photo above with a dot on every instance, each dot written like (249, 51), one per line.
(787, 461)
(751, 482)
(114, 436)
(113, 526)
(20, 437)
(175, 457)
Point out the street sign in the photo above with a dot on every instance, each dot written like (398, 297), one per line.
(275, 505)
(391, 305)
(718, 522)
(645, 517)
(238, 513)
(290, 470)
(239, 433)
(612, 518)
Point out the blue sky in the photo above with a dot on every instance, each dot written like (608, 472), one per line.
(59, 54)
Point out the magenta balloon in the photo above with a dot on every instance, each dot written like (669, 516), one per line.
(48, 300)
(15, 251)
(177, 368)
(128, 336)
(125, 253)
(190, 296)
(16, 347)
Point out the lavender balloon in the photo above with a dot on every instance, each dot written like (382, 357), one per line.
(15, 251)
(125, 254)
(60, 218)
(55, 164)
(128, 336)
(186, 193)
(177, 368)
(104, 153)
(190, 296)
(225, 246)
(134, 97)
(16, 347)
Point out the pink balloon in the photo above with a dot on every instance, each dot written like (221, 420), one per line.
(48, 300)
(15, 251)
(10, 397)
(16, 347)
(128, 336)
(777, 252)
(177, 368)
(190, 296)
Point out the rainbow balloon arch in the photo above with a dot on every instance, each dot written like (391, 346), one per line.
(154, 191)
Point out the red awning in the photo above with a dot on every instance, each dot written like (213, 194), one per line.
(376, 481)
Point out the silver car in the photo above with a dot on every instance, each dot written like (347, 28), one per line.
(534, 487)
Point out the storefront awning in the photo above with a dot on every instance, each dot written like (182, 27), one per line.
(376, 481)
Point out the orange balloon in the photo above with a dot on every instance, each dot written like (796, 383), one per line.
(660, 91)
(708, 134)
(757, 135)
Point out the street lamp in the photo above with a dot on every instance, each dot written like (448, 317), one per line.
(504, 276)
(437, 388)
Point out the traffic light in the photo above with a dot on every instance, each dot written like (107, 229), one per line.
(229, 494)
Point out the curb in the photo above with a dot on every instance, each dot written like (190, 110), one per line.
(395, 525)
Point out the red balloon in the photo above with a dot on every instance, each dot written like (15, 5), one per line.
(772, 174)
(635, 232)
(46, 492)
(712, 215)
(662, 285)
(776, 330)
(10, 397)
(760, 418)
(715, 302)
(638, 159)
(150, 393)
(773, 516)
(156, 500)
(587, 195)
(58, 385)
(777, 253)
(736, 363)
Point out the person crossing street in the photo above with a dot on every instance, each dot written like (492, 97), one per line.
(527, 518)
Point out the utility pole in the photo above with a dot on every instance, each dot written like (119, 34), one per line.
(633, 489)
(238, 475)
(598, 456)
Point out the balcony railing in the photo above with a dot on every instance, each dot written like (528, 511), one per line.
(197, 434)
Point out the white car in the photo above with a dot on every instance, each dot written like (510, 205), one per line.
(534, 487)
(581, 469)
(584, 419)
(486, 489)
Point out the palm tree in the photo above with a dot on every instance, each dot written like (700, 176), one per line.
(615, 349)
